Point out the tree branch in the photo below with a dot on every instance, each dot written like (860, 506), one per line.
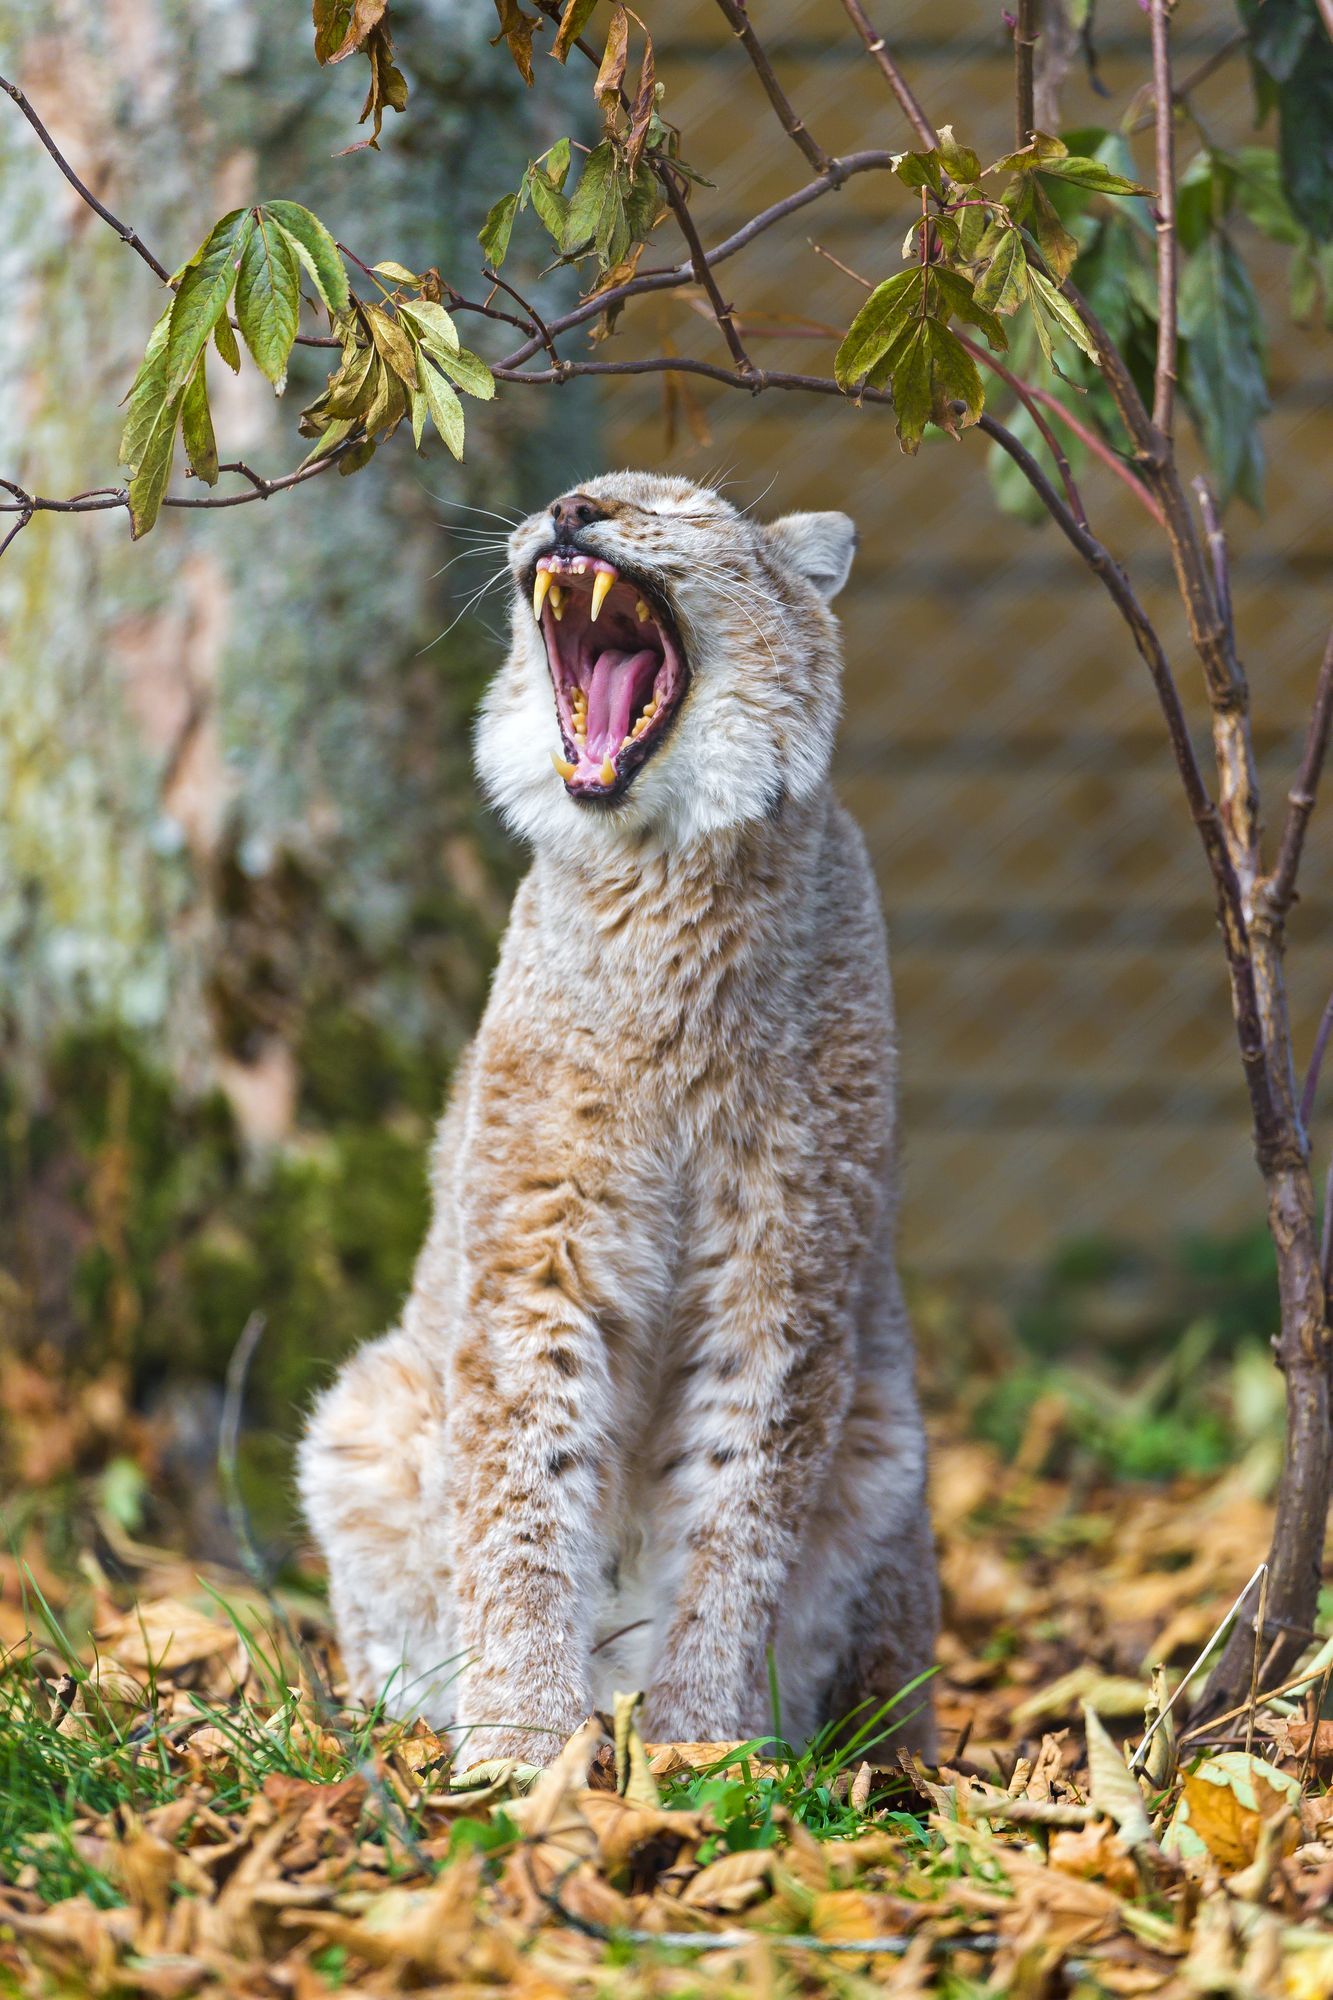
(1028, 398)
(699, 264)
(105, 499)
(1164, 120)
(122, 229)
(893, 76)
(1025, 44)
(1280, 888)
(793, 126)
(840, 170)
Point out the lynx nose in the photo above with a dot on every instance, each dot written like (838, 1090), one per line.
(574, 511)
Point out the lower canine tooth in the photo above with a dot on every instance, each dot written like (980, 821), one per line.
(642, 611)
(607, 774)
(565, 769)
(601, 585)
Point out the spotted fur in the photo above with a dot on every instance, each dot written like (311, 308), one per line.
(655, 1370)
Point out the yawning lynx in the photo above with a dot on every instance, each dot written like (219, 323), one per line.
(650, 1412)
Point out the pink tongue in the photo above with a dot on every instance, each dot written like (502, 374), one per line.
(619, 687)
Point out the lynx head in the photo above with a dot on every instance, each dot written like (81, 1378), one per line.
(674, 666)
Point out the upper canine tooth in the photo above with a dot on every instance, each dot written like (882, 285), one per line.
(541, 585)
(601, 584)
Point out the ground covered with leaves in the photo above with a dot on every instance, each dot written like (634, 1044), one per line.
(186, 1805)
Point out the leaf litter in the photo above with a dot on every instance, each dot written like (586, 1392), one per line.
(189, 1806)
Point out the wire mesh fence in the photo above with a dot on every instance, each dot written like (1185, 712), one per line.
(1068, 1061)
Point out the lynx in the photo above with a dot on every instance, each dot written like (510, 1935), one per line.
(649, 1419)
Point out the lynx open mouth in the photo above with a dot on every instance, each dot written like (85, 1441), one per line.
(617, 667)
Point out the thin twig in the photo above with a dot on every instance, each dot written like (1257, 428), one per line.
(1316, 1701)
(1200, 74)
(105, 499)
(536, 324)
(892, 75)
(1164, 119)
(740, 1940)
(1322, 1033)
(842, 169)
(1029, 401)
(1217, 549)
(1280, 888)
(722, 312)
(1025, 46)
(793, 126)
(122, 229)
(1259, 1624)
(1137, 1759)
(1098, 446)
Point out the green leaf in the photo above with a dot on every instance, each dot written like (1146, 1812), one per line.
(554, 164)
(960, 163)
(224, 339)
(496, 230)
(959, 297)
(146, 394)
(348, 391)
(431, 319)
(1030, 204)
(1052, 307)
(917, 170)
(911, 388)
(1002, 286)
(1043, 149)
(399, 273)
(203, 291)
(353, 460)
(446, 412)
(197, 427)
(149, 484)
(418, 402)
(933, 375)
(1094, 175)
(1294, 56)
(596, 188)
(268, 298)
(316, 249)
(331, 438)
(1257, 179)
(1223, 379)
(878, 324)
(551, 207)
(468, 371)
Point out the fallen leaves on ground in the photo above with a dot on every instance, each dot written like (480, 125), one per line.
(186, 1808)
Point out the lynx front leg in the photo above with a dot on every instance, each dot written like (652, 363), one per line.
(752, 1444)
(531, 1411)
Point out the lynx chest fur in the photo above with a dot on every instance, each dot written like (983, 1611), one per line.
(650, 1410)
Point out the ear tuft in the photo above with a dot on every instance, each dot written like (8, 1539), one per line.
(818, 547)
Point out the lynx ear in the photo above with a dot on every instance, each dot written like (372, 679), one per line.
(818, 547)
